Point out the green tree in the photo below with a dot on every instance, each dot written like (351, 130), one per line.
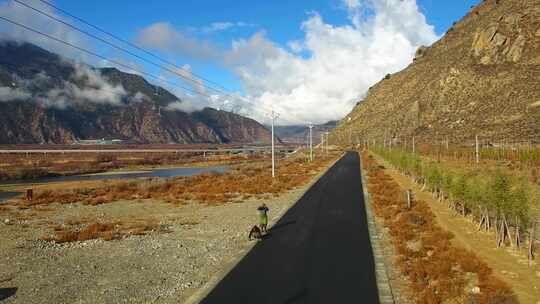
(459, 187)
(520, 202)
(500, 192)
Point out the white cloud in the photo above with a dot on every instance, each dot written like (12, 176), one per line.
(195, 97)
(342, 61)
(165, 37)
(86, 85)
(295, 46)
(10, 94)
(140, 97)
(218, 26)
(183, 106)
(30, 18)
(96, 89)
(317, 78)
(352, 4)
(223, 26)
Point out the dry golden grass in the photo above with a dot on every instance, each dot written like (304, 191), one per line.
(438, 271)
(22, 166)
(4, 209)
(244, 181)
(105, 231)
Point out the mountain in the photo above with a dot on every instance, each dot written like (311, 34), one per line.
(45, 98)
(481, 78)
(299, 133)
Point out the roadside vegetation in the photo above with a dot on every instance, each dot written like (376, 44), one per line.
(513, 155)
(498, 200)
(437, 270)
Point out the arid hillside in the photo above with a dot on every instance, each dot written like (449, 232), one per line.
(481, 78)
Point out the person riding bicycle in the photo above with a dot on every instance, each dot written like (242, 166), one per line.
(263, 217)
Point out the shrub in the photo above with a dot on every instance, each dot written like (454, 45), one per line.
(105, 158)
(437, 272)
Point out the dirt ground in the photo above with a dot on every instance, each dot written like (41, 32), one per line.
(156, 268)
(508, 264)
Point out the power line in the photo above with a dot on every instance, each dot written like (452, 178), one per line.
(125, 41)
(118, 47)
(107, 59)
(225, 93)
(99, 56)
(158, 78)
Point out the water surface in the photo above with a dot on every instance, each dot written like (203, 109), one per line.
(163, 173)
(4, 196)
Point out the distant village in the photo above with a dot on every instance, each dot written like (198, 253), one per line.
(102, 141)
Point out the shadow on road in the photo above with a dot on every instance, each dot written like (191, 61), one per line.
(7, 292)
(297, 297)
(318, 252)
(281, 225)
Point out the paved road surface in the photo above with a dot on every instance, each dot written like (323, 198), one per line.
(318, 252)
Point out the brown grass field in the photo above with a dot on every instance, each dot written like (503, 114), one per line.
(249, 178)
(437, 270)
(21, 166)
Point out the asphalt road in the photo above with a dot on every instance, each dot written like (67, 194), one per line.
(318, 252)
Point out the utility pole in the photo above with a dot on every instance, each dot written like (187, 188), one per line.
(274, 117)
(477, 150)
(310, 126)
(322, 142)
(327, 140)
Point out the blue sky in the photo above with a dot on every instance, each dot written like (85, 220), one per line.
(280, 19)
(271, 52)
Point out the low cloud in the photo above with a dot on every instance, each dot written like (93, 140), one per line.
(182, 106)
(95, 89)
(196, 96)
(140, 97)
(86, 85)
(30, 18)
(11, 94)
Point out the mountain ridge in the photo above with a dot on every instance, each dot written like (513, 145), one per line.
(45, 98)
(480, 78)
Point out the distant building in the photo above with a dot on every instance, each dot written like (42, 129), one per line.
(101, 141)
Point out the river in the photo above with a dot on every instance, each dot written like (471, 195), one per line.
(161, 173)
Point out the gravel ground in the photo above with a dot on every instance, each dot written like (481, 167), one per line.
(156, 268)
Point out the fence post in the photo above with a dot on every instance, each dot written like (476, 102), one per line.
(29, 194)
(530, 253)
(408, 193)
(477, 150)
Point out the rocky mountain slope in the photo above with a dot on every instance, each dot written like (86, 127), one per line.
(299, 133)
(45, 98)
(481, 78)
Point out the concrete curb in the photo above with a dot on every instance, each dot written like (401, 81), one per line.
(386, 295)
(202, 292)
